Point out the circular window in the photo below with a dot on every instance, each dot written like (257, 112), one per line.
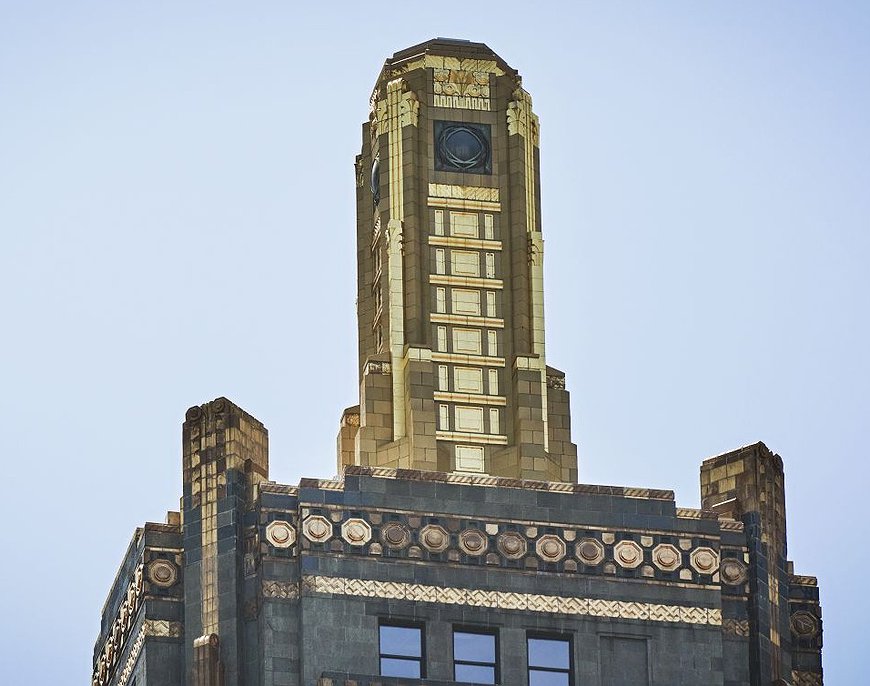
(462, 147)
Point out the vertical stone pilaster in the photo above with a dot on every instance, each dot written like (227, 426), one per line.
(749, 484)
(225, 454)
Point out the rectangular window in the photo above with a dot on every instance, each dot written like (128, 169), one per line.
(469, 458)
(440, 261)
(490, 265)
(467, 380)
(463, 224)
(488, 232)
(474, 657)
(490, 304)
(441, 300)
(492, 343)
(444, 418)
(493, 382)
(494, 424)
(466, 341)
(442, 339)
(465, 301)
(469, 419)
(442, 377)
(464, 263)
(439, 222)
(401, 651)
(549, 661)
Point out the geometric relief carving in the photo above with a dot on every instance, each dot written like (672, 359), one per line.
(356, 531)
(162, 573)
(550, 548)
(733, 571)
(590, 551)
(736, 627)
(704, 560)
(395, 535)
(512, 545)
(472, 542)
(280, 534)
(528, 602)
(628, 554)
(284, 590)
(800, 678)
(434, 538)
(804, 624)
(317, 529)
(666, 557)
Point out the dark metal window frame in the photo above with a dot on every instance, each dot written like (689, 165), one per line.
(549, 636)
(403, 624)
(484, 631)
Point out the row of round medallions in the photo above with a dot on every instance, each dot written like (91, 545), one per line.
(512, 545)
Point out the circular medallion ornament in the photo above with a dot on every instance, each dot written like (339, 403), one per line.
(162, 573)
(666, 557)
(434, 538)
(732, 571)
(804, 624)
(512, 545)
(704, 560)
(472, 542)
(628, 554)
(280, 534)
(317, 529)
(550, 548)
(462, 147)
(356, 531)
(590, 551)
(395, 535)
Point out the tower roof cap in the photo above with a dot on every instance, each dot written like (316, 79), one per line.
(448, 47)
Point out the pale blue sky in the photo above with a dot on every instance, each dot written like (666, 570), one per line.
(177, 218)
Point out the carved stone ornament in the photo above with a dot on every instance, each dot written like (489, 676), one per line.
(590, 551)
(356, 531)
(804, 624)
(628, 554)
(317, 529)
(512, 545)
(280, 534)
(733, 571)
(434, 538)
(162, 573)
(473, 542)
(395, 535)
(666, 557)
(704, 560)
(550, 548)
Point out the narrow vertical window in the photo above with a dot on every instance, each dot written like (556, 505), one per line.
(475, 657)
(491, 343)
(441, 300)
(490, 265)
(490, 303)
(440, 261)
(444, 418)
(401, 651)
(439, 222)
(488, 232)
(442, 339)
(549, 662)
(442, 375)
(494, 425)
(493, 382)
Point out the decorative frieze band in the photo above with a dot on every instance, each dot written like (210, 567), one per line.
(527, 602)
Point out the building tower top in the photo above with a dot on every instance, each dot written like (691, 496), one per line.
(452, 365)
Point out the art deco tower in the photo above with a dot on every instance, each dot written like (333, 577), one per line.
(452, 358)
